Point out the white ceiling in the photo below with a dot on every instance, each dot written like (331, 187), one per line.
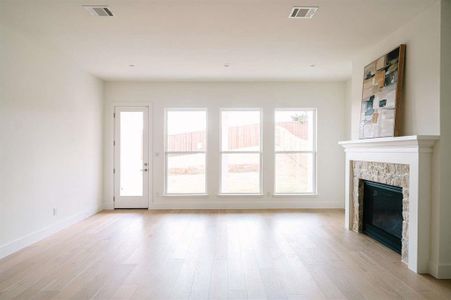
(193, 39)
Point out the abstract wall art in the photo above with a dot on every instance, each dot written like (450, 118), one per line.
(382, 95)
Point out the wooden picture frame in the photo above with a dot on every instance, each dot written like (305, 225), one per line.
(382, 96)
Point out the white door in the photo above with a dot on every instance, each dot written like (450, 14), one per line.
(131, 157)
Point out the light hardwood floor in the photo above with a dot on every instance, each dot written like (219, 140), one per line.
(138, 254)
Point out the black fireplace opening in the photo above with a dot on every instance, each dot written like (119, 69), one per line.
(382, 213)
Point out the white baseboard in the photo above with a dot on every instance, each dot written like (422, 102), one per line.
(40, 234)
(444, 271)
(107, 205)
(440, 271)
(235, 202)
(244, 204)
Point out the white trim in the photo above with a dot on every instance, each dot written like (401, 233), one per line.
(392, 140)
(45, 232)
(108, 205)
(247, 202)
(294, 151)
(222, 152)
(240, 195)
(185, 195)
(150, 150)
(401, 144)
(185, 152)
(440, 271)
(241, 152)
(235, 108)
(443, 271)
(166, 152)
(295, 195)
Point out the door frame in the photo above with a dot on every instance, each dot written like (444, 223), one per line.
(149, 147)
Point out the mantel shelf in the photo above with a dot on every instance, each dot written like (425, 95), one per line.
(418, 141)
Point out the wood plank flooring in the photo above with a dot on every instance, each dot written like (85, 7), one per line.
(139, 254)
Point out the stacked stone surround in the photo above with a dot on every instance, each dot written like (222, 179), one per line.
(386, 173)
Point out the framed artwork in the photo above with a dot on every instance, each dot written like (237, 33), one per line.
(382, 95)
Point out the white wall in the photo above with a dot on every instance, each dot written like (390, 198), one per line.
(444, 253)
(50, 141)
(348, 108)
(328, 98)
(422, 80)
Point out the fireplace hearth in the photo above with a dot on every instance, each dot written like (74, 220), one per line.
(382, 213)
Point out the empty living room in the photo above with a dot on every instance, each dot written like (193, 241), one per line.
(225, 149)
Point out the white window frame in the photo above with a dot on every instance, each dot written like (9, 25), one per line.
(260, 152)
(313, 151)
(166, 152)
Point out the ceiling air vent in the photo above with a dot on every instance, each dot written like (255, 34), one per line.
(303, 12)
(98, 10)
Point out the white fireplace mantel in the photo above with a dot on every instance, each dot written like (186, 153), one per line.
(416, 151)
(411, 143)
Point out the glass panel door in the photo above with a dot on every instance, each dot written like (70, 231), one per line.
(131, 157)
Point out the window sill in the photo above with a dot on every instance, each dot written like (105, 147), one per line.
(241, 195)
(184, 195)
(313, 195)
(306, 195)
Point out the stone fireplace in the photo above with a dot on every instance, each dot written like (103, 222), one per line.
(386, 173)
(404, 162)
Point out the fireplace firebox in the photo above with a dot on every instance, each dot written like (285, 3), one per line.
(382, 213)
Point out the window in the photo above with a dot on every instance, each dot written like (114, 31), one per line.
(295, 151)
(240, 151)
(185, 151)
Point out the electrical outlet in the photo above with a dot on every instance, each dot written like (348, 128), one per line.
(54, 212)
